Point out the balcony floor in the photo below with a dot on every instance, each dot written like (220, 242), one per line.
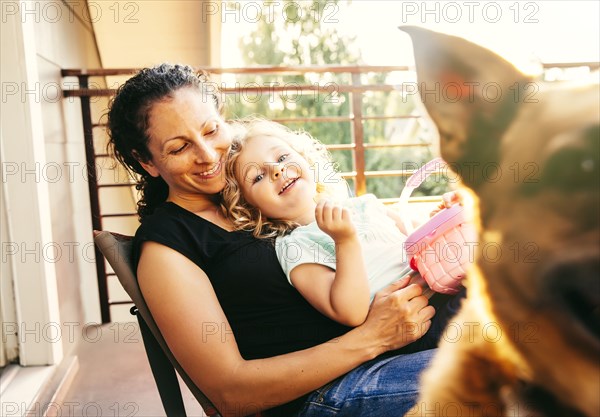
(114, 378)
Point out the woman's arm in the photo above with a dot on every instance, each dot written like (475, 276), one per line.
(186, 309)
(342, 295)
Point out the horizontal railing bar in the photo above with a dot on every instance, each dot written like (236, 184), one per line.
(89, 92)
(291, 119)
(123, 184)
(405, 116)
(322, 89)
(351, 174)
(344, 118)
(333, 147)
(340, 147)
(119, 215)
(298, 119)
(350, 146)
(591, 65)
(394, 145)
(386, 173)
(327, 119)
(114, 303)
(393, 173)
(292, 69)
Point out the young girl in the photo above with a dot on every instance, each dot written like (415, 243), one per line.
(336, 251)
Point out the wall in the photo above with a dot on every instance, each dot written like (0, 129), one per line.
(69, 42)
(48, 277)
(46, 37)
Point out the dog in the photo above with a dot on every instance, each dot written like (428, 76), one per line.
(526, 341)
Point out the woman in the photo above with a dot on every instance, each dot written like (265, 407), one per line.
(243, 334)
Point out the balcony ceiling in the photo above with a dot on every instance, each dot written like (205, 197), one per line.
(144, 33)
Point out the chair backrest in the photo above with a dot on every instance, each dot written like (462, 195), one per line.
(118, 251)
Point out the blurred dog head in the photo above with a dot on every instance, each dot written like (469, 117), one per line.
(529, 151)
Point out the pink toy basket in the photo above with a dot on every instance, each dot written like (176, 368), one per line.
(442, 248)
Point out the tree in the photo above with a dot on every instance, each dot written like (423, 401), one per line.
(295, 35)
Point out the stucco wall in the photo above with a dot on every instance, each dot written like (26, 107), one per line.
(66, 39)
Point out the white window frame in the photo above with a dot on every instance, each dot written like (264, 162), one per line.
(26, 200)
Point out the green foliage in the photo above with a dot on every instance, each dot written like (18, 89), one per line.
(302, 39)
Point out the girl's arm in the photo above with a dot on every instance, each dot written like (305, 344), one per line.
(186, 310)
(342, 295)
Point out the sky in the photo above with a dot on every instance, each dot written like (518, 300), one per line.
(524, 32)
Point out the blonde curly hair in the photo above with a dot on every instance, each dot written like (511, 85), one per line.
(246, 217)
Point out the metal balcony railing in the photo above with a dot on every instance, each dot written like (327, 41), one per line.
(355, 89)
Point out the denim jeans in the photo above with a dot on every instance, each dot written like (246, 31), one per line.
(385, 386)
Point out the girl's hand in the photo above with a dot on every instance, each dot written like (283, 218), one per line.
(399, 315)
(448, 200)
(335, 220)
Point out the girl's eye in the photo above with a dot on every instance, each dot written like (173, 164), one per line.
(282, 158)
(178, 150)
(258, 178)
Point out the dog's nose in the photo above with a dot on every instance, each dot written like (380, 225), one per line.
(574, 285)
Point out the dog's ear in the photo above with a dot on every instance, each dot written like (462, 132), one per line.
(470, 93)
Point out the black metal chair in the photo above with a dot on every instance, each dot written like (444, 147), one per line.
(117, 250)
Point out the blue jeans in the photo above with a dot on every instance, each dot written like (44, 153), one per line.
(385, 386)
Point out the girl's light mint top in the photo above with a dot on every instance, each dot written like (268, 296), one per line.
(381, 243)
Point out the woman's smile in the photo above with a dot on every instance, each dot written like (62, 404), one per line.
(189, 143)
(212, 172)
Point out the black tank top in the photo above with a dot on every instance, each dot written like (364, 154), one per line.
(267, 315)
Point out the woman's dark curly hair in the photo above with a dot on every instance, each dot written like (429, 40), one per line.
(128, 119)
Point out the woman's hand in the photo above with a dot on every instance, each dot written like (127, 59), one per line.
(399, 315)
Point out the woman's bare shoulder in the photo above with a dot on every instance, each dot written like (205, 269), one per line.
(162, 271)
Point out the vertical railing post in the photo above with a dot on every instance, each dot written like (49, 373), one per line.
(92, 178)
(358, 135)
